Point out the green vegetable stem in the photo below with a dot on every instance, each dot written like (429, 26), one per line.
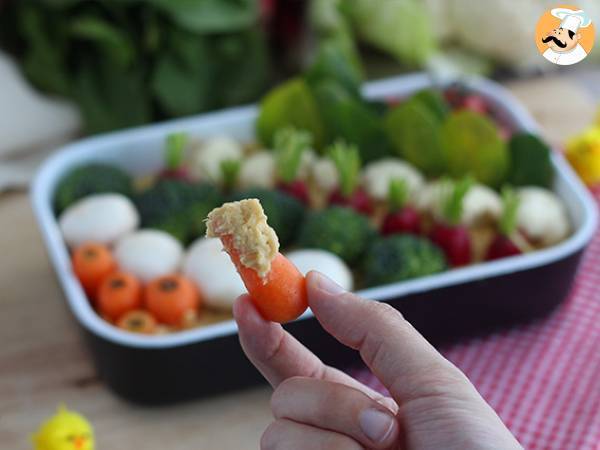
(230, 169)
(347, 162)
(397, 194)
(453, 198)
(510, 202)
(175, 149)
(290, 144)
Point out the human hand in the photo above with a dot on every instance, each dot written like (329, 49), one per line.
(432, 406)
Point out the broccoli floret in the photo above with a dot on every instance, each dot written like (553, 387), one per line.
(177, 207)
(339, 230)
(88, 180)
(401, 257)
(284, 212)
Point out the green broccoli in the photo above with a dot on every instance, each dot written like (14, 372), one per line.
(177, 207)
(91, 179)
(401, 257)
(339, 230)
(284, 212)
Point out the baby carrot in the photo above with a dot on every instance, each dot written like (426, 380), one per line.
(137, 321)
(171, 298)
(119, 293)
(276, 286)
(91, 264)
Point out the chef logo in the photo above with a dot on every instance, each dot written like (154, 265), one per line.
(565, 35)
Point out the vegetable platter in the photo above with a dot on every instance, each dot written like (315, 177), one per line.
(447, 300)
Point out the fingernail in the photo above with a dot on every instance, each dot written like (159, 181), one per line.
(377, 425)
(327, 285)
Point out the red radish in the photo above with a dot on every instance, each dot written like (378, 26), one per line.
(347, 162)
(451, 235)
(296, 188)
(402, 218)
(174, 152)
(290, 145)
(504, 244)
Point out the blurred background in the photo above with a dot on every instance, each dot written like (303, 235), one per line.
(73, 68)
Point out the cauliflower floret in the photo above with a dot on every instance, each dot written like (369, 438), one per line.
(377, 176)
(258, 170)
(325, 174)
(480, 205)
(205, 161)
(542, 216)
(309, 158)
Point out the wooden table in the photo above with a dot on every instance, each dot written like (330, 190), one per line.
(43, 361)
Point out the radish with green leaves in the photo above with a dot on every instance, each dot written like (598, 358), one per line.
(504, 244)
(174, 155)
(452, 236)
(402, 218)
(290, 145)
(347, 162)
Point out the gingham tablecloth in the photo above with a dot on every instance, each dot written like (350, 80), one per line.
(543, 379)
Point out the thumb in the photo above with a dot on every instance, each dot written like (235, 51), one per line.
(407, 365)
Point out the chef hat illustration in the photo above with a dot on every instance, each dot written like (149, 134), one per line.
(571, 20)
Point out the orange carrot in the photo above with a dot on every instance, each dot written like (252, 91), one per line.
(171, 298)
(137, 321)
(91, 264)
(119, 293)
(281, 295)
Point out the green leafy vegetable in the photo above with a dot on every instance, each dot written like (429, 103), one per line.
(530, 163)
(129, 62)
(290, 104)
(415, 129)
(472, 146)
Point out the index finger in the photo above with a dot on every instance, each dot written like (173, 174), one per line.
(408, 365)
(279, 356)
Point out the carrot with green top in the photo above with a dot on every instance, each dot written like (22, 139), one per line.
(276, 286)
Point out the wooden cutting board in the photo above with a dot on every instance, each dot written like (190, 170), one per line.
(43, 361)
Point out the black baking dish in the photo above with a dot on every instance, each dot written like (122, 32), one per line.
(208, 360)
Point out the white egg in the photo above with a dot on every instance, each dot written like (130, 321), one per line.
(377, 176)
(258, 170)
(101, 218)
(148, 254)
(205, 161)
(542, 215)
(211, 268)
(325, 262)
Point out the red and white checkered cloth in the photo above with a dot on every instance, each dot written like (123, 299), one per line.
(543, 379)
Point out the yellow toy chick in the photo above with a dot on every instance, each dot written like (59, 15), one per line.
(66, 430)
(583, 152)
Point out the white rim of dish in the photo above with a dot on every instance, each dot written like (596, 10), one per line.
(396, 86)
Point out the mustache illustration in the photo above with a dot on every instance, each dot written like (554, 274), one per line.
(556, 41)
